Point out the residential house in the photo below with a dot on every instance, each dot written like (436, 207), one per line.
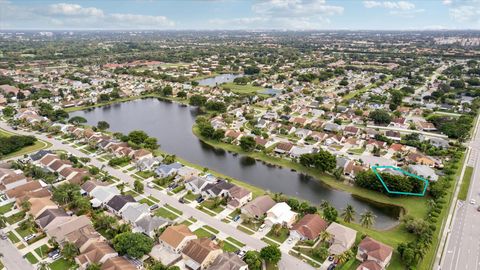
(118, 203)
(176, 237)
(118, 263)
(283, 147)
(149, 225)
(166, 170)
(424, 171)
(258, 207)
(228, 261)
(147, 164)
(370, 250)
(238, 197)
(135, 211)
(342, 239)
(102, 194)
(95, 253)
(49, 215)
(309, 227)
(280, 213)
(39, 205)
(199, 254)
(60, 227)
(219, 189)
(197, 184)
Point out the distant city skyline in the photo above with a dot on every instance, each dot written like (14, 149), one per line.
(239, 15)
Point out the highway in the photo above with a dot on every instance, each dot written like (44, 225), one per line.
(462, 250)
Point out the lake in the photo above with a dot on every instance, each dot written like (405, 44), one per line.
(171, 124)
(219, 79)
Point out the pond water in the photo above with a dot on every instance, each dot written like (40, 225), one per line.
(219, 79)
(171, 124)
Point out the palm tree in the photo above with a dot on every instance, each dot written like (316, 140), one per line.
(344, 257)
(276, 229)
(26, 205)
(367, 219)
(348, 214)
(43, 266)
(324, 205)
(324, 236)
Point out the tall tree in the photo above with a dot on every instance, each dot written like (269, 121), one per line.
(271, 254)
(348, 214)
(367, 219)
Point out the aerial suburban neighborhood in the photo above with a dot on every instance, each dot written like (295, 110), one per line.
(125, 146)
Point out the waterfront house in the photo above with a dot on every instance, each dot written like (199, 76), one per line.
(309, 227)
(258, 207)
(280, 213)
(342, 239)
(423, 171)
(373, 252)
(166, 170)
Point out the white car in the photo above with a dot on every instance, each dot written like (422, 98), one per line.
(262, 227)
(472, 201)
(150, 185)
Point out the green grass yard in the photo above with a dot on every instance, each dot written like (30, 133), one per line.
(162, 212)
(467, 177)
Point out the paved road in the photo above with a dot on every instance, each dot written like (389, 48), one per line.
(12, 258)
(462, 249)
(288, 262)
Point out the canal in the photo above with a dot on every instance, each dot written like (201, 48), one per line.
(171, 124)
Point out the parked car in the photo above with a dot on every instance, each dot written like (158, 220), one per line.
(213, 237)
(153, 207)
(236, 218)
(181, 200)
(262, 227)
(472, 201)
(150, 185)
(29, 237)
(54, 254)
(3, 236)
(478, 209)
(200, 199)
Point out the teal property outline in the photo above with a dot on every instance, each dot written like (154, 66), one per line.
(374, 169)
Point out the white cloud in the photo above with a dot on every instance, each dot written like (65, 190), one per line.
(401, 5)
(284, 14)
(74, 10)
(466, 11)
(75, 16)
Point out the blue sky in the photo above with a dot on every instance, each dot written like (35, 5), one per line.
(240, 14)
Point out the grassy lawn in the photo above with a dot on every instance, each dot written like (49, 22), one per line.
(215, 231)
(178, 189)
(153, 199)
(145, 174)
(26, 232)
(29, 149)
(206, 211)
(13, 237)
(202, 233)
(146, 201)
(42, 251)
(162, 212)
(270, 242)
(31, 258)
(62, 264)
(132, 192)
(227, 247)
(351, 264)
(244, 229)
(235, 241)
(16, 217)
(462, 194)
(210, 205)
(281, 236)
(174, 209)
(6, 208)
(242, 89)
(190, 197)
